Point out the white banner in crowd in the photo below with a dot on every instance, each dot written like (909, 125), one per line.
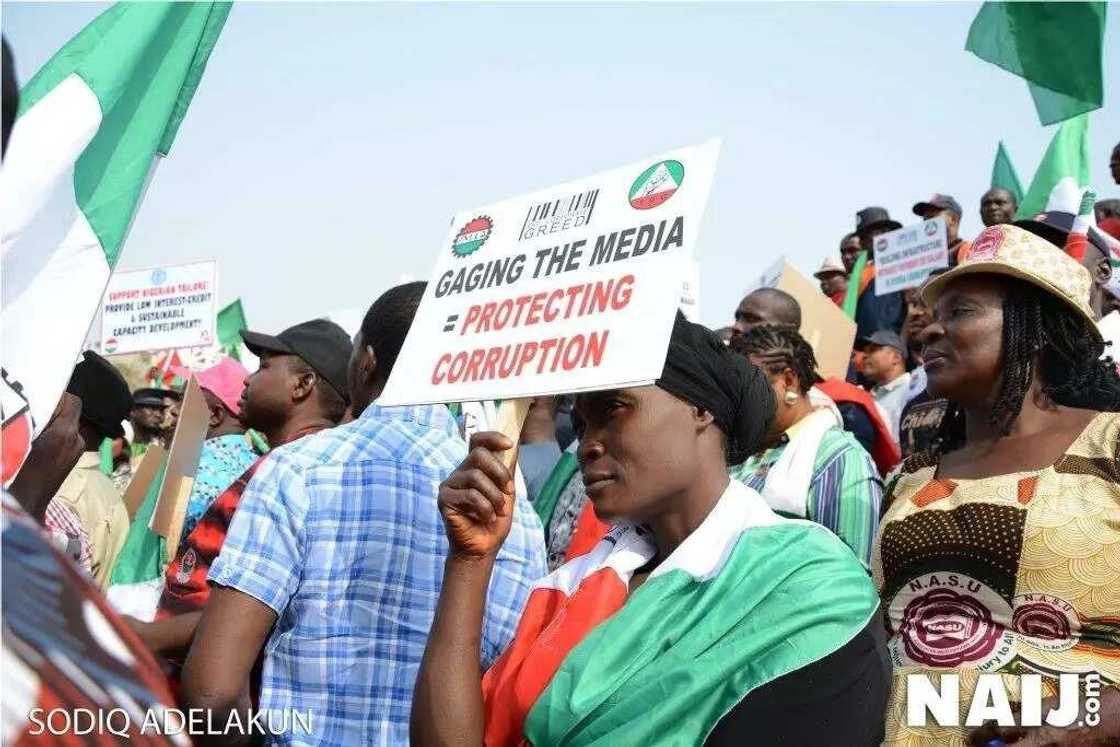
(571, 288)
(158, 308)
(906, 257)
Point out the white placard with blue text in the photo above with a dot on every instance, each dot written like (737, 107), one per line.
(904, 258)
(571, 288)
(160, 308)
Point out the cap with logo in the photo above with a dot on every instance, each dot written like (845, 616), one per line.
(104, 394)
(321, 344)
(1012, 251)
(937, 202)
(1055, 225)
(884, 338)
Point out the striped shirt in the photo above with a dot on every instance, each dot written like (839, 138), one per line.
(844, 492)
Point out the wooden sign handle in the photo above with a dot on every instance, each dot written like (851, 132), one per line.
(511, 416)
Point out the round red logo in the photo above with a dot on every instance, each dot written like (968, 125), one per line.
(1046, 622)
(986, 245)
(1040, 620)
(942, 628)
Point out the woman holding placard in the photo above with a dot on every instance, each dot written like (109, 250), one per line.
(701, 616)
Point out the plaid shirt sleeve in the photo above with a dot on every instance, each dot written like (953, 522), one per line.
(262, 555)
(846, 492)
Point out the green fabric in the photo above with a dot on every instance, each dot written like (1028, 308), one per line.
(231, 320)
(851, 298)
(561, 473)
(845, 492)
(144, 554)
(143, 61)
(1067, 158)
(1004, 175)
(136, 449)
(105, 452)
(681, 652)
(1056, 46)
(259, 442)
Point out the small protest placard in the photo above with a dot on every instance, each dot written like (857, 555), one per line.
(182, 466)
(159, 308)
(571, 288)
(905, 258)
(824, 326)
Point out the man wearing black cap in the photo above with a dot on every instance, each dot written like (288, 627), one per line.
(311, 356)
(147, 420)
(875, 312)
(87, 491)
(944, 206)
(296, 391)
(884, 364)
(1054, 226)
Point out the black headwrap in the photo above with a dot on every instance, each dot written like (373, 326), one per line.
(701, 370)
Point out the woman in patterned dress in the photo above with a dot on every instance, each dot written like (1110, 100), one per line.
(999, 550)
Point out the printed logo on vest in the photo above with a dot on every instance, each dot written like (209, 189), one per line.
(950, 620)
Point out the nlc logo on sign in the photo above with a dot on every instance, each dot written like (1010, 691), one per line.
(656, 184)
(990, 701)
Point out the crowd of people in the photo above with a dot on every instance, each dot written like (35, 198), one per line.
(747, 551)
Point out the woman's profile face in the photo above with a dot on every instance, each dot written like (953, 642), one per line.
(964, 343)
(637, 447)
(782, 380)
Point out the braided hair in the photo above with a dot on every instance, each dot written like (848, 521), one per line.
(1043, 338)
(777, 348)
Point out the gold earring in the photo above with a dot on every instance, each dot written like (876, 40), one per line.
(791, 397)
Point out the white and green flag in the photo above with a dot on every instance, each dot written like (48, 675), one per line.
(91, 126)
(1063, 175)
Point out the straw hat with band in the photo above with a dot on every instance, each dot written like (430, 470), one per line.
(1009, 250)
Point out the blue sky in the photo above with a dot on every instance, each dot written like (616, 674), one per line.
(330, 143)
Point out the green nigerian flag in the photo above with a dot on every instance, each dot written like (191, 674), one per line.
(1055, 46)
(91, 126)
(1064, 172)
(231, 320)
(1004, 176)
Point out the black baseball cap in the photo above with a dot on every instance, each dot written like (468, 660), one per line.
(937, 202)
(884, 338)
(106, 400)
(871, 218)
(1055, 225)
(321, 344)
(153, 397)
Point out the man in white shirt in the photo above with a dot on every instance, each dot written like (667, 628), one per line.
(884, 363)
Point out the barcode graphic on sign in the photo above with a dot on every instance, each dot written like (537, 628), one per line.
(577, 204)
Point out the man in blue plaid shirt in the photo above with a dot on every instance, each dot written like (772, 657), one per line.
(335, 558)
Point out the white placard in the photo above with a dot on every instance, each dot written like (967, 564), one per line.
(905, 258)
(690, 292)
(159, 308)
(571, 288)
